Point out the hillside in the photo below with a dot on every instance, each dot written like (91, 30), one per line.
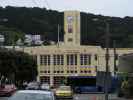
(44, 22)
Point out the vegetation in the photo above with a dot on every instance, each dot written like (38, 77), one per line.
(11, 35)
(17, 66)
(42, 21)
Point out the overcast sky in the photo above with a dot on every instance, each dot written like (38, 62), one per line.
(118, 8)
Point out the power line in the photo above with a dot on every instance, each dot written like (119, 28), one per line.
(34, 1)
(47, 3)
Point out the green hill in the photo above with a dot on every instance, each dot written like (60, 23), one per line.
(44, 22)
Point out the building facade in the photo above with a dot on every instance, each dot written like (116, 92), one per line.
(57, 62)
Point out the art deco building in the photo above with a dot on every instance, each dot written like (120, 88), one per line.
(62, 60)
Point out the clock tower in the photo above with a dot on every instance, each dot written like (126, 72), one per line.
(72, 28)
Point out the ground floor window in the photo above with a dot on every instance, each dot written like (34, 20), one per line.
(45, 79)
(59, 80)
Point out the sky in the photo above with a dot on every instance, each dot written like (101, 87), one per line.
(118, 8)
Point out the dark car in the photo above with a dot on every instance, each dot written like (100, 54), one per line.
(7, 89)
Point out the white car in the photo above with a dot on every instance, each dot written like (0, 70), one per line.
(32, 95)
(45, 86)
(33, 86)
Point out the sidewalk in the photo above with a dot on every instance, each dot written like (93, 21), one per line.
(114, 97)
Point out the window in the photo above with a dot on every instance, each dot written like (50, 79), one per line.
(44, 71)
(89, 71)
(62, 60)
(70, 29)
(89, 59)
(58, 59)
(48, 71)
(71, 71)
(96, 68)
(95, 56)
(71, 59)
(116, 56)
(85, 71)
(75, 71)
(81, 71)
(70, 26)
(41, 71)
(85, 59)
(62, 71)
(45, 59)
(70, 39)
(45, 79)
(35, 57)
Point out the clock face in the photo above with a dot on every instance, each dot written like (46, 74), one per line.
(69, 19)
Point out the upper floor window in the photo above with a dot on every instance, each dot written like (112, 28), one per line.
(71, 59)
(45, 59)
(85, 59)
(96, 56)
(116, 56)
(58, 59)
(70, 28)
(70, 39)
(70, 24)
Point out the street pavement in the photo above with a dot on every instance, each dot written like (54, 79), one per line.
(88, 97)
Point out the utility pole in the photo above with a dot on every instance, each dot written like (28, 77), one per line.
(107, 42)
(107, 61)
(115, 56)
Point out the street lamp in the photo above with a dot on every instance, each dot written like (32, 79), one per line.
(107, 60)
(107, 41)
(115, 57)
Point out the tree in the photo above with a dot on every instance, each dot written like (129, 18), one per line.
(18, 64)
(44, 22)
(11, 35)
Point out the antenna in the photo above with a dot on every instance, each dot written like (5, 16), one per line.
(58, 34)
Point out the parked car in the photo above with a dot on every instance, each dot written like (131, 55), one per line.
(45, 86)
(64, 92)
(7, 89)
(32, 95)
(33, 86)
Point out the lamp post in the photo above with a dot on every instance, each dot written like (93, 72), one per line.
(107, 42)
(115, 57)
(107, 60)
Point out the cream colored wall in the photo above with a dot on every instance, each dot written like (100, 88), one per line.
(102, 61)
(64, 50)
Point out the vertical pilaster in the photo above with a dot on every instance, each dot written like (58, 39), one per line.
(51, 64)
(38, 67)
(92, 60)
(78, 63)
(51, 70)
(51, 80)
(65, 64)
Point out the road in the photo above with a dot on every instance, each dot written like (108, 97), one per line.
(86, 97)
